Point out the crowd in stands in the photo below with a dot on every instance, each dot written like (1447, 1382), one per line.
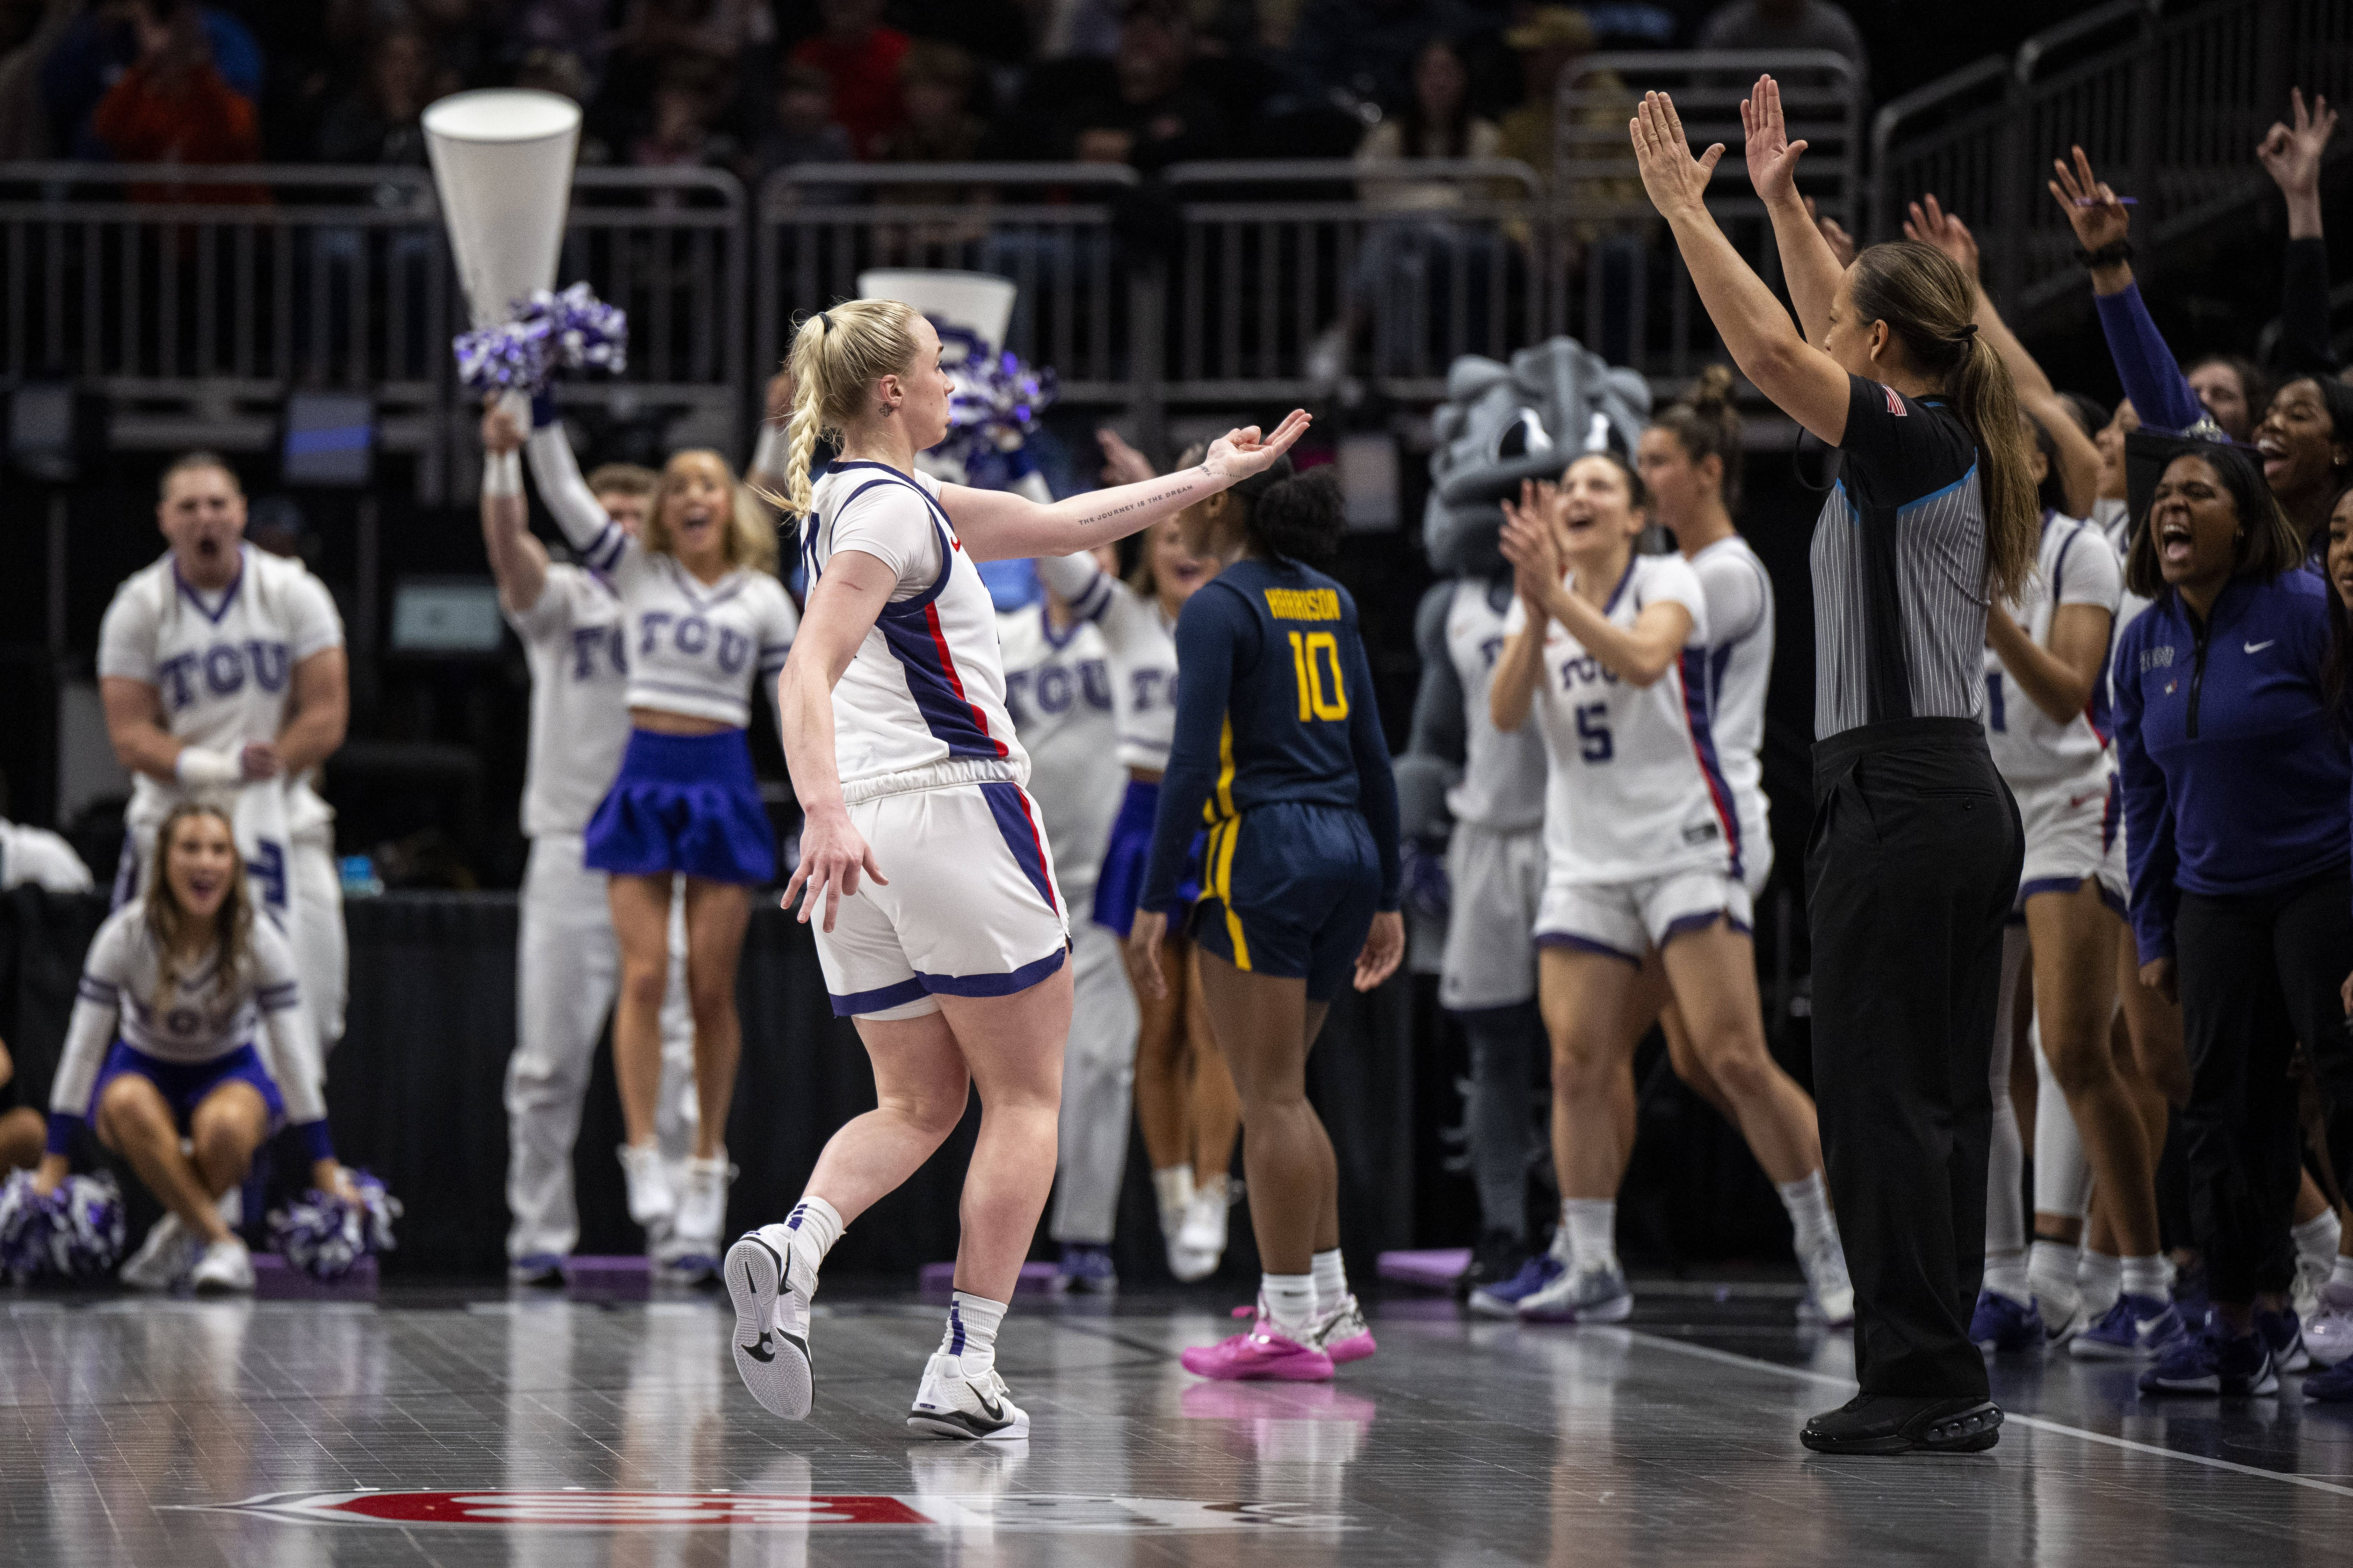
(751, 86)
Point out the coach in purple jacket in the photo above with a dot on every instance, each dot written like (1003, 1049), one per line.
(2235, 782)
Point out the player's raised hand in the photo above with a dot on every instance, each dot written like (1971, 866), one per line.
(2291, 154)
(1833, 233)
(1772, 156)
(1930, 224)
(1384, 950)
(1239, 454)
(1531, 540)
(2098, 218)
(1675, 181)
(832, 856)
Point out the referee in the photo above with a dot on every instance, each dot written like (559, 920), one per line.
(1914, 858)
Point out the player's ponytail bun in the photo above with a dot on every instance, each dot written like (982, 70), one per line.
(1294, 515)
(1706, 425)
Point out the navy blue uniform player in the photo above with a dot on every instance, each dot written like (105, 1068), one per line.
(1278, 751)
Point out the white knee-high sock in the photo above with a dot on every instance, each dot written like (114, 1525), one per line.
(1592, 1228)
(812, 1228)
(971, 1334)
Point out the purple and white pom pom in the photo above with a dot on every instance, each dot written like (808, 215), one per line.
(74, 1234)
(994, 401)
(325, 1236)
(544, 335)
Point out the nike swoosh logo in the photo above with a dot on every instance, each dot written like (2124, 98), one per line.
(2259, 646)
(762, 1352)
(989, 1406)
(2076, 802)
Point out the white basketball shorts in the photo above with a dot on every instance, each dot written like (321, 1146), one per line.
(1626, 920)
(2075, 833)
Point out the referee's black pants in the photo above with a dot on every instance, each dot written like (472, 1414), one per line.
(2257, 971)
(1911, 868)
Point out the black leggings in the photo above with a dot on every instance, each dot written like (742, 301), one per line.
(2257, 972)
(1911, 868)
(1507, 1045)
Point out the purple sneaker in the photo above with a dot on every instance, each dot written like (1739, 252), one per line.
(2284, 1332)
(2334, 1387)
(2135, 1328)
(2002, 1325)
(1502, 1299)
(2211, 1363)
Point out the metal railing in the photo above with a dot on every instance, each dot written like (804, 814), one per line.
(196, 298)
(1623, 288)
(2168, 98)
(1400, 268)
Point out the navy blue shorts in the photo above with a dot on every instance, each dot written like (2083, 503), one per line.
(1289, 890)
(685, 804)
(1121, 882)
(185, 1085)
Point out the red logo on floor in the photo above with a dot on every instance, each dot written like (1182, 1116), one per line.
(585, 1510)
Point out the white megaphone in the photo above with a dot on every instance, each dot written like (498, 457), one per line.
(979, 302)
(503, 162)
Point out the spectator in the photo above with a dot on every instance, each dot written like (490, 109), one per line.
(1436, 123)
(1750, 25)
(576, 28)
(2234, 391)
(804, 130)
(104, 42)
(565, 74)
(1363, 50)
(31, 30)
(173, 106)
(1152, 118)
(935, 83)
(682, 133)
(860, 59)
(378, 124)
(716, 29)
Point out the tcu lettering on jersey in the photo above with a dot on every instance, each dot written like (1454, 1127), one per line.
(1056, 690)
(694, 637)
(221, 670)
(600, 650)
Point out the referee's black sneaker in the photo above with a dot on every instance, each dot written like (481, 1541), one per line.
(1900, 1424)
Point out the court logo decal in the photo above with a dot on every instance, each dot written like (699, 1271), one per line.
(548, 1511)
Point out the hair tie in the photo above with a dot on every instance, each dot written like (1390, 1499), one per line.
(1968, 331)
(825, 317)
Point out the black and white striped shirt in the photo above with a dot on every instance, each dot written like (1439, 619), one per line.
(1899, 567)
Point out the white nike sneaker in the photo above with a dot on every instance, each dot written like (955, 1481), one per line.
(164, 1258)
(772, 1321)
(1827, 1285)
(977, 1409)
(1200, 1241)
(225, 1268)
(653, 1202)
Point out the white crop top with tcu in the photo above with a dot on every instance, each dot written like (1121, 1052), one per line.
(692, 647)
(1143, 643)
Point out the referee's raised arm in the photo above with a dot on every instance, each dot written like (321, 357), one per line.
(1913, 860)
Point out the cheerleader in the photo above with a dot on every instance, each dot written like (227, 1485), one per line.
(939, 924)
(21, 1134)
(704, 616)
(1645, 848)
(192, 980)
(1184, 1101)
(1278, 742)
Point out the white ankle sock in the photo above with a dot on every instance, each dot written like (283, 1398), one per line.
(2005, 1274)
(1592, 1227)
(2143, 1276)
(971, 1335)
(1808, 1203)
(1173, 1185)
(814, 1227)
(2316, 1238)
(1290, 1303)
(2050, 1270)
(1331, 1279)
(2100, 1277)
(2343, 1273)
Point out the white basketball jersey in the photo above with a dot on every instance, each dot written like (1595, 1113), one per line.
(574, 642)
(1503, 787)
(1058, 690)
(2074, 565)
(1738, 669)
(927, 686)
(1635, 790)
(1143, 646)
(222, 664)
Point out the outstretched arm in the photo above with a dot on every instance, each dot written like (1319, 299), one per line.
(1803, 381)
(2152, 377)
(1808, 262)
(998, 525)
(557, 471)
(2292, 157)
(518, 560)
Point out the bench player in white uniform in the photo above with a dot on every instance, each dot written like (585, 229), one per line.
(1644, 849)
(222, 668)
(179, 987)
(1494, 871)
(566, 965)
(923, 870)
(1058, 692)
(1185, 1105)
(705, 620)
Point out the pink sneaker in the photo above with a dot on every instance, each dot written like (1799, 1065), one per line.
(1260, 1353)
(1344, 1335)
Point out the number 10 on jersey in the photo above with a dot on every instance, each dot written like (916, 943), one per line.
(1311, 654)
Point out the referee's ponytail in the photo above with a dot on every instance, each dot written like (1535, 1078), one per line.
(1930, 304)
(1285, 512)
